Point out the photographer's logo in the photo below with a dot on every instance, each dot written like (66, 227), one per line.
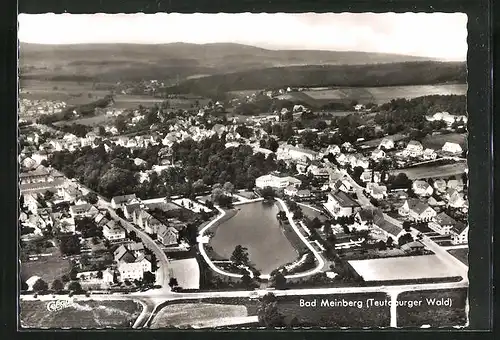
(57, 305)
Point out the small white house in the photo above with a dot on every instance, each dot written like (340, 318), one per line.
(452, 148)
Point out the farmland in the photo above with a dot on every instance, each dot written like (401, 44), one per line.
(430, 314)
(196, 314)
(437, 141)
(380, 95)
(440, 171)
(396, 268)
(80, 314)
(71, 92)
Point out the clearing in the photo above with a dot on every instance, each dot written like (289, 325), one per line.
(430, 314)
(187, 273)
(81, 314)
(436, 141)
(197, 315)
(396, 268)
(439, 171)
(46, 267)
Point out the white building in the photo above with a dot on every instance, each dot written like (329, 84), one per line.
(113, 232)
(417, 211)
(134, 270)
(276, 182)
(290, 152)
(413, 149)
(386, 143)
(422, 188)
(452, 148)
(341, 204)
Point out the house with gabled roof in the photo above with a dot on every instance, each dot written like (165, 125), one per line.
(112, 231)
(413, 149)
(341, 204)
(120, 201)
(83, 210)
(387, 228)
(417, 210)
(168, 236)
(422, 188)
(386, 143)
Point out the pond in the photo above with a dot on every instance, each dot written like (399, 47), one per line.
(255, 227)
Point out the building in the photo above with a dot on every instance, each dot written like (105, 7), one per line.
(417, 210)
(429, 154)
(341, 204)
(371, 176)
(378, 154)
(83, 210)
(440, 185)
(422, 188)
(134, 270)
(413, 149)
(453, 148)
(387, 144)
(112, 231)
(456, 200)
(290, 152)
(276, 182)
(120, 201)
(387, 228)
(146, 221)
(365, 218)
(168, 236)
(318, 171)
(342, 185)
(376, 191)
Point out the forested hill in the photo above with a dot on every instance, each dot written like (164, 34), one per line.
(388, 74)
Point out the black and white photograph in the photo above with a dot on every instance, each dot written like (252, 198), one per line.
(243, 171)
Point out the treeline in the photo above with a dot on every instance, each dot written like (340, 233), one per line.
(403, 115)
(390, 74)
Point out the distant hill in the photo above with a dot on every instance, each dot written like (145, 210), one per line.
(371, 75)
(113, 62)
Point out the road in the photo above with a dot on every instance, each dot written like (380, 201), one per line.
(162, 273)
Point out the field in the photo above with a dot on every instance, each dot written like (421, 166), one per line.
(187, 273)
(48, 267)
(429, 314)
(380, 95)
(396, 268)
(436, 142)
(440, 171)
(81, 314)
(90, 121)
(357, 315)
(311, 213)
(71, 92)
(196, 314)
(462, 254)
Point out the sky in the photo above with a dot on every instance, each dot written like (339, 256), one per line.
(434, 35)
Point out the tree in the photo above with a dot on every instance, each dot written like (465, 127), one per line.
(247, 281)
(40, 286)
(148, 278)
(228, 187)
(69, 244)
(268, 313)
(99, 274)
(315, 223)
(75, 286)
(57, 285)
(389, 242)
(48, 195)
(92, 198)
(239, 255)
(268, 193)
(278, 280)
(65, 278)
(173, 282)
(404, 239)
(406, 225)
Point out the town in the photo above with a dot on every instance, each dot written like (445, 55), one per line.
(137, 206)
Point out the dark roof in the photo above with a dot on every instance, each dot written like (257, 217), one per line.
(417, 206)
(388, 227)
(123, 199)
(370, 214)
(43, 186)
(344, 200)
(444, 219)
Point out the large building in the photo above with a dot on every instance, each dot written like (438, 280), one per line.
(341, 204)
(276, 182)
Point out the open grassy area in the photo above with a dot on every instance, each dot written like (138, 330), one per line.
(81, 314)
(439, 171)
(396, 268)
(196, 314)
(429, 313)
(436, 142)
(462, 254)
(47, 267)
(373, 143)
